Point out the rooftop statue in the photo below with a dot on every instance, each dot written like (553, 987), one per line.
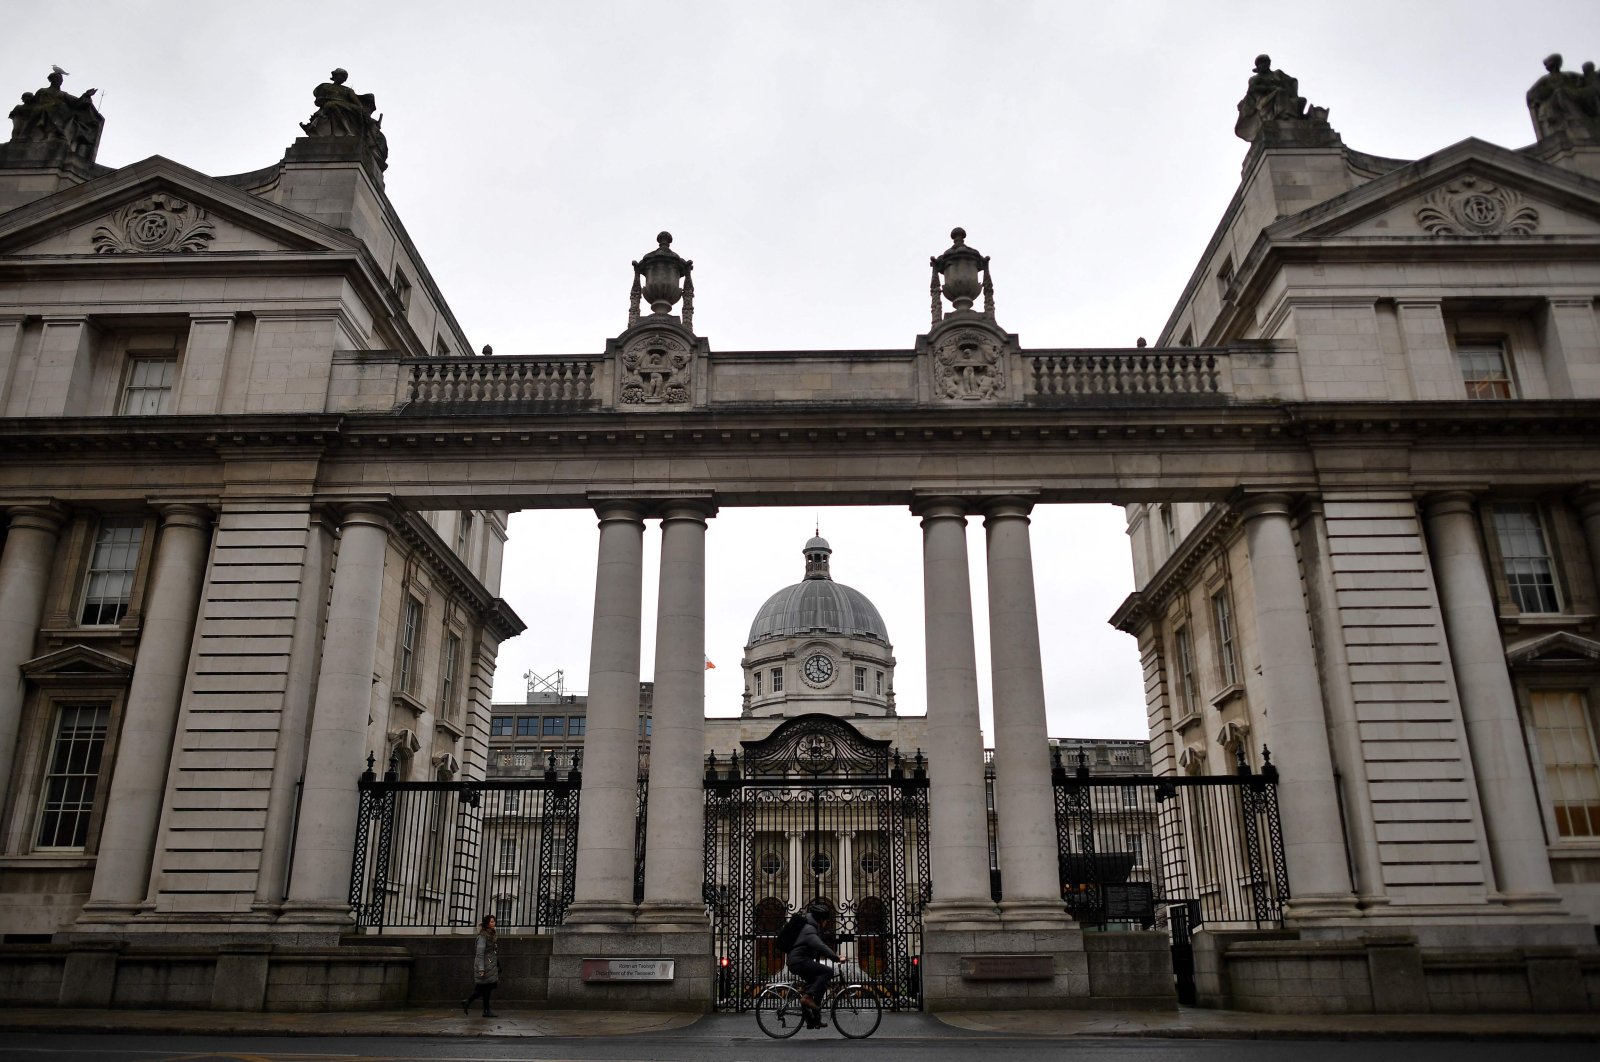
(341, 111)
(52, 114)
(1562, 102)
(1272, 96)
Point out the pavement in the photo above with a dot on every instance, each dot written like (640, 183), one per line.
(1182, 1023)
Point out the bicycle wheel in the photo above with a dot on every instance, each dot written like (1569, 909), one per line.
(857, 1010)
(778, 1011)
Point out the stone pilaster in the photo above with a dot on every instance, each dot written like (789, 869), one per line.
(1588, 502)
(1024, 801)
(1312, 839)
(603, 887)
(1488, 706)
(675, 833)
(30, 546)
(319, 885)
(958, 830)
(150, 719)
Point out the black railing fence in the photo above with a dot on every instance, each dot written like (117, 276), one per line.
(441, 855)
(1133, 848)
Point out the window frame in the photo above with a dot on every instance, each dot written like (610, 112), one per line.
(139, 526)
(1227, 637)
(1504, 386)
(1509, 588)
(1188, 690)
(450, 684)
(1587, 685)
(776, 674)
(52, 709)
(136, 361)
(408, 644)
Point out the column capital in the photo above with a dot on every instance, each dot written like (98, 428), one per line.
(1007, 506)
(1448, 502)
(369, 514)
(1587, 499)
(626, 510)
(1254, 506)
(939, 507)
(184, 514)
(696, 509)
(42, 517)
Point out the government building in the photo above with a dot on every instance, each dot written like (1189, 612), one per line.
(256, 484)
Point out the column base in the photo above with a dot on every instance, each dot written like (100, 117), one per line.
(109, 912)
(961, 914)
(1046, 914)
(690, 917)
(317, 915)
(1314, 907)
(600, 916)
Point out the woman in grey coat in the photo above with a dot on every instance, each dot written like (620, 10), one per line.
(485, 967)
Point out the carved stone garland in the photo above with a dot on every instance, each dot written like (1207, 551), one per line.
(970, 365)
(656, 369)
(1472, 206)
(158, 223)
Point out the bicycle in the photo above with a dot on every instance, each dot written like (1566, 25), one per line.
(854, 1009)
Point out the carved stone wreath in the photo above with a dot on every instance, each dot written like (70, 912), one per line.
(656, 370)
(969, 365)
(158, 223)
(1472, 206)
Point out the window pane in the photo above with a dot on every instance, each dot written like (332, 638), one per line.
(527, 726)
(576, 726)
(149, 389)
(447, 693)
(408, 643)
(1186, 688)
(552, 724)
(1483, 370)
(111, 570)
(1565, 731)
(500, 726)
(69, 786)
(1529, 575)
(1224, 617)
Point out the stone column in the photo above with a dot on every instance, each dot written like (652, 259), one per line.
(1494, 732)
(1312, 839)
(1023, 797)
(24, 576)
(603, 892)
(675, 832)
(150, 720)
(1432, 364)
(1588, 502)
(320, 882)
(957, 826)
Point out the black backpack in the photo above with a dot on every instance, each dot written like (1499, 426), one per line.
(789, 935)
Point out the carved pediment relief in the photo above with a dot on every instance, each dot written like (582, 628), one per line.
(156, 223)
(1472, 206)
(1563, 649)
(78, 664)
(1469, 204)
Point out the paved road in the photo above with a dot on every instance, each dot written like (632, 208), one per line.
(903, 1038)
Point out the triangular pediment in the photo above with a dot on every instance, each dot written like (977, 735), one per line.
(1558, 649)
(77, 662)
(159, 207)
(1473, 189)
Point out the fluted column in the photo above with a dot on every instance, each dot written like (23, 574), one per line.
(1023, 797)
(603, 892)
(150, 719)
(675, 832)
(958, 831)
(320, 883)
(24, 577)
(1488, 706)
(1312, 839)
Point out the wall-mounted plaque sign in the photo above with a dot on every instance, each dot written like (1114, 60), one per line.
(628, 969)
(1007, 967)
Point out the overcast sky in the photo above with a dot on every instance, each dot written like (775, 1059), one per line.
(809, 157)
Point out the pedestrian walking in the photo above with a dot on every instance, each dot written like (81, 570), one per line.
(485, 967)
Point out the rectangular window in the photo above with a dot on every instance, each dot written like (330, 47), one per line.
(1186, 688)
(1222, 612)
(527, 726)
(402, 288)
(451, 658)
(500, 726)
(1529, 574)
(148, 392)
(508, 854)
(777, 680)
(757, 676)
(1135, 844)
(861, 680)
(1566, 736)
(410, 623)
(553, 724)
(880, 684)
(1130, 797)
(463, 532)
(577, 725)
(111, 568)
(69, 784)
(1169, 528)
(1483, 370)
(511, 801)
(441, 349)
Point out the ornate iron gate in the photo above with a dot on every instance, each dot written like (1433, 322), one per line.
(817, 812)
(440, 855)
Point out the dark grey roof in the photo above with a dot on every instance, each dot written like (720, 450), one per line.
(820, 605)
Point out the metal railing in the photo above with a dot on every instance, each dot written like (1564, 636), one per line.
(441, 855)
(1132, 848)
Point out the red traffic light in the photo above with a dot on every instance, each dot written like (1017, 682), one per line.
(724, 962)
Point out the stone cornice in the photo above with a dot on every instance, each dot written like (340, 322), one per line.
(1179, 568)
(492, 611)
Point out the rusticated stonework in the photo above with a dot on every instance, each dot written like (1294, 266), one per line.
(1472, 206)
(158, 223)
(969, 364)
(656, 369)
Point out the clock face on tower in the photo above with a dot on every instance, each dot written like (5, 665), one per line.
(817, 669)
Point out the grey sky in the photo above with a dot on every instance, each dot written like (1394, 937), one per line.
(809, 158)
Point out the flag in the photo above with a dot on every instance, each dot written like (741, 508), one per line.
(709, 664)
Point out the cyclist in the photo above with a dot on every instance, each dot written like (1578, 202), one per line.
(802, 962)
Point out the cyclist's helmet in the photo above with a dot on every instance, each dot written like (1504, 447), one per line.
(819, 911)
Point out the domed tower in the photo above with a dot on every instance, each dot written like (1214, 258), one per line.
(818, 646)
